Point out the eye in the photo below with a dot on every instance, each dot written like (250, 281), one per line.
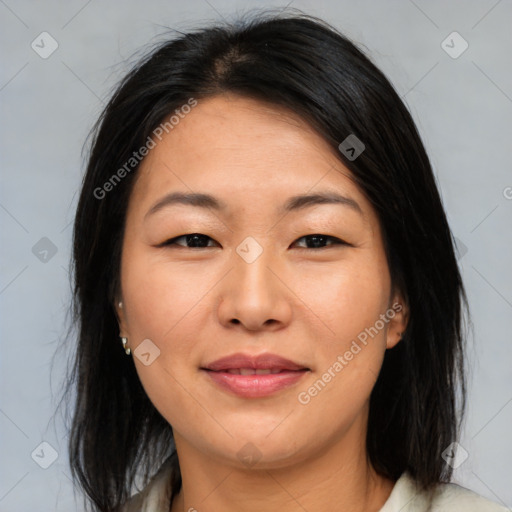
(200, 241)
(319, 241)
(192, 241)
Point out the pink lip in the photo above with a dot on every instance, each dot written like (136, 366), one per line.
(286, 373)
(261, 361)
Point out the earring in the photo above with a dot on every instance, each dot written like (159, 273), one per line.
(126, 349)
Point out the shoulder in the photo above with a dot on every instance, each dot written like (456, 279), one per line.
(156, 496)
(454, 497)
(446, 497)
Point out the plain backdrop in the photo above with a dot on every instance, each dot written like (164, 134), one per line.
(461, 102)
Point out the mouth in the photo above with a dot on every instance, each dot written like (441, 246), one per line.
(254, 376)
(247, 362)
(253, 371)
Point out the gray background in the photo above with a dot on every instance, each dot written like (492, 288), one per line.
(463, 108)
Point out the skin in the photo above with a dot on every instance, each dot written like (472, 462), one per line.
(308, 305)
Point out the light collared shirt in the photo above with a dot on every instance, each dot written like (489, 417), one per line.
(405, 497)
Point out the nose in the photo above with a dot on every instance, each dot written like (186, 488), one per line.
(254, 295)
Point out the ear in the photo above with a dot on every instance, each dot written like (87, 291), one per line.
(398, 314)
(121, 317)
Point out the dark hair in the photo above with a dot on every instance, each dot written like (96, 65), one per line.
(302, 64)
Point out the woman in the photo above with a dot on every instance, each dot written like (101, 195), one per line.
(260, 230)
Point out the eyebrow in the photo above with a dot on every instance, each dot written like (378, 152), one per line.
(293, 203)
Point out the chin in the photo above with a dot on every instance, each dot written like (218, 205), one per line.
(258, 450)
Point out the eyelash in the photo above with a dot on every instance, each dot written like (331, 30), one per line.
(337, 241)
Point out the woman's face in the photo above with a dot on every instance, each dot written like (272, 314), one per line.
(254, 282)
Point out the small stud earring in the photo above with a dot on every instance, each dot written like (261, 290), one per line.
(126, 349)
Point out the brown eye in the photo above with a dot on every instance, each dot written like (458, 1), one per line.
(317, 241)
(192, 241)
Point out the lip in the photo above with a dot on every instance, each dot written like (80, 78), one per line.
(258, 362)
(225, 373)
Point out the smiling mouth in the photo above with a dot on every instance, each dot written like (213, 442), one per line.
(255, 371)
(255, 383)
(254, 376)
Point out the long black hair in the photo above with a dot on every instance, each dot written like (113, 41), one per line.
(303, 64)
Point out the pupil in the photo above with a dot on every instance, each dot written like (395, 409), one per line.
(196, 238)
(317, 240)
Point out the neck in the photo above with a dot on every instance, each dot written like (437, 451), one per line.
(340, 478)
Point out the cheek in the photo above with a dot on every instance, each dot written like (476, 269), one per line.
(160, 306)
(158, 295)
(349, 300)
(346, 298)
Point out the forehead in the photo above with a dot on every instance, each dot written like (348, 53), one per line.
(239, 148)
